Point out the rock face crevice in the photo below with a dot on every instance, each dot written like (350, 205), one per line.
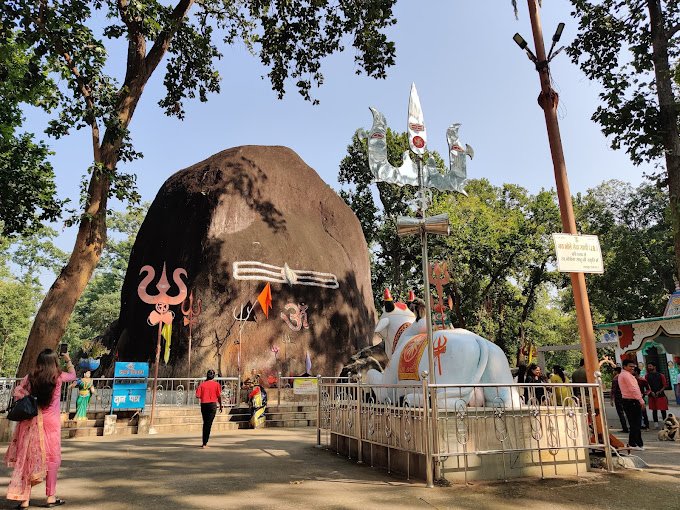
(261, 204)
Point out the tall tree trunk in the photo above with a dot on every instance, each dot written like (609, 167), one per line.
(56, 309)
(668, 116)
(536, 279)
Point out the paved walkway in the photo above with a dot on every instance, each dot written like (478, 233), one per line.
(281, 469)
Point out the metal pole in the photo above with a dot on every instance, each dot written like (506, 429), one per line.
(318, 411)
(189, 360)
(155, 379)
(278, 393)
(603, 417)
(428, 319)
(426, 276)
(548, 100)
(428, 433)
(358, 420)
(189, 368)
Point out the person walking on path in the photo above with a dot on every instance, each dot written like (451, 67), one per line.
(657, 393)
(617, 399)
(633, 403)
(35, 450)
(209, 392)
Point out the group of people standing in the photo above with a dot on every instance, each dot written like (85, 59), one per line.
(534, 375)
(628, 394)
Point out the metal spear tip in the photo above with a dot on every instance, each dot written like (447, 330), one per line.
(417, 135)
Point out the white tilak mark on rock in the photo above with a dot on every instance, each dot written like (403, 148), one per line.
(254, 270)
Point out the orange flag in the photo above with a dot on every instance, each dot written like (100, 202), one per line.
(265, 299)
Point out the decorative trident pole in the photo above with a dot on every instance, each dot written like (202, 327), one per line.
(190, 319)
(421, 176)
(161, 314)
(424, 177)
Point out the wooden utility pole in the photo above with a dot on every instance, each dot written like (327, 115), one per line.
(548, 100)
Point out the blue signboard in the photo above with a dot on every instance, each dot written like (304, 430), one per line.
(129, 385)
(131, 370)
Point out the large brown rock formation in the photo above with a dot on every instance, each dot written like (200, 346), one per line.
(260, 204)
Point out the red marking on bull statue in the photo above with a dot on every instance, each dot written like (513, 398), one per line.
(439, 349)
(397, 335)
(410, 357)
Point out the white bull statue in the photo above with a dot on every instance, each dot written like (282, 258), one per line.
(460, 357)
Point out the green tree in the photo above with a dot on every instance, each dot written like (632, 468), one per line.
(289, 38)
(99, 306)
(21, 261)
(500, 254)
(27, 194)
(629, 46)
(396, 262)
(634, 228)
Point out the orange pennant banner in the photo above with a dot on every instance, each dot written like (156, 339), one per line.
(265, 299)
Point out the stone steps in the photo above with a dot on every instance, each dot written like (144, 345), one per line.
(189, 419)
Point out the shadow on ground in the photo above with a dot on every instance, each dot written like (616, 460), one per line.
(282, 469)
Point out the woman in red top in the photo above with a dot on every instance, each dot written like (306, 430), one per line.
(209, 392)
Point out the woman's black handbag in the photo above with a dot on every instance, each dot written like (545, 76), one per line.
(23, 409)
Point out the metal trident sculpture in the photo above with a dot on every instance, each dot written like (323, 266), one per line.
(440, 276)
(162, 313)
(414, 174)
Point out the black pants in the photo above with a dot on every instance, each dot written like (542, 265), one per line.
(633, 411)
(618, 403)
(208, 411)
(655, 416)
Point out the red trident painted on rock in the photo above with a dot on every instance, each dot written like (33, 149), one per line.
(439, 276)
(439, 349)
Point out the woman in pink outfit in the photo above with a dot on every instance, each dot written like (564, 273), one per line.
(35, 450)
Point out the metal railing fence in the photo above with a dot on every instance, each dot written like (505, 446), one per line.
(170, 392)
(454, 425)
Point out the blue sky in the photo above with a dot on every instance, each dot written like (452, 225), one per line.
(465, 65)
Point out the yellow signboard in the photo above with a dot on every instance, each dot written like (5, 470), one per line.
(305, 386)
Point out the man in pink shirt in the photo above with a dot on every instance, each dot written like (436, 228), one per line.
(633, 403)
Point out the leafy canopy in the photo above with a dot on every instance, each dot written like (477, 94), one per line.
(27, 194)
(614, 47)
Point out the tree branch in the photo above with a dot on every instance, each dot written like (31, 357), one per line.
(82, 85)
(136, 43)
(672, 30)
(163, 40)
